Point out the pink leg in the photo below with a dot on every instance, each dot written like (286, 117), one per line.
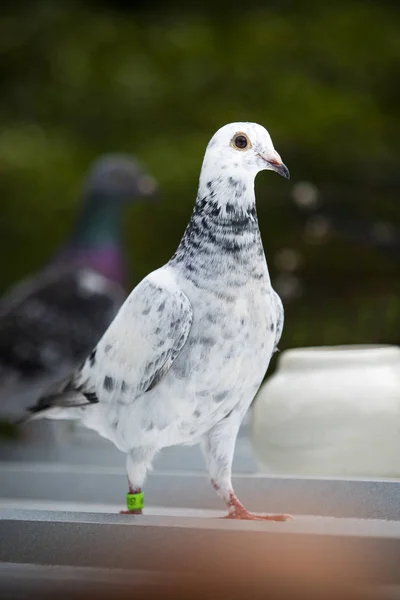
(138, 461)
(238, 511)
(218, 447)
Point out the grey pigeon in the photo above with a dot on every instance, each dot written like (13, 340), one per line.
(187, 352)
(50, 322)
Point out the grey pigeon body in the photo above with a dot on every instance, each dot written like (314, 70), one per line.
(187, 352)
(50, 322)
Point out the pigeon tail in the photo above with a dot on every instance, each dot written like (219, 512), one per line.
(64, 394)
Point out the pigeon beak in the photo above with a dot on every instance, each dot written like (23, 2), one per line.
(148, 187)
(281, 169)
(277, 165)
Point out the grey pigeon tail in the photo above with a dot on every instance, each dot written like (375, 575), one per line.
(50, 322)
(187, 352)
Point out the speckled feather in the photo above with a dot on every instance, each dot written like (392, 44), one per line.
(188, 350)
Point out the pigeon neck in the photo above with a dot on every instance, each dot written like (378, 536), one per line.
(229, 193)
(96, 242)
(100, 223)
(223, 236)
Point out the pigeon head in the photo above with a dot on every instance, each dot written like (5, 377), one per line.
(118, 178)
(243, 149)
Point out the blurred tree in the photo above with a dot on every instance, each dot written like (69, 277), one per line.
(157, 79)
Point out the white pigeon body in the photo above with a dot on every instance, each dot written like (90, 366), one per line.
(188, 350)
(217, 373)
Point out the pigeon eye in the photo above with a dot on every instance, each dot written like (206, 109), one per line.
(241, 142)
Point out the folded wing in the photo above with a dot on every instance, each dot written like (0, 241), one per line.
(137, 350)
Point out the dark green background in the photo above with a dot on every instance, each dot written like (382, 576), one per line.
(157, 79)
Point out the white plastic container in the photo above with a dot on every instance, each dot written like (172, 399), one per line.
(331, 411)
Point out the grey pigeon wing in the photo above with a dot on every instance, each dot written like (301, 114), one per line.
(280, 315)
(53, 319)
(137, 350)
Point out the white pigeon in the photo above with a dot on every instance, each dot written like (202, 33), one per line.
(188, 350)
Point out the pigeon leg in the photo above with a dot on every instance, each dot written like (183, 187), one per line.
(138, 462)
(218, 448)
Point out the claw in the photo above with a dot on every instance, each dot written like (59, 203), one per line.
(239, 512)
(248, 516)
(131, 512)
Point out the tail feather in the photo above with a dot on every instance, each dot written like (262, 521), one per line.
(65, 394)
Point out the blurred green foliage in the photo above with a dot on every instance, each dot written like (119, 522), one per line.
(8, 430)
(79, 79)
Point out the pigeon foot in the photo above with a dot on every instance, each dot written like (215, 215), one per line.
(138, 511)
(245, 515)
(239, 512)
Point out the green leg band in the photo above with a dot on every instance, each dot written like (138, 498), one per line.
(135, 501)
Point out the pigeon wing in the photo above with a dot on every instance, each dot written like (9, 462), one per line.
(54, 319)
(137, 350)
